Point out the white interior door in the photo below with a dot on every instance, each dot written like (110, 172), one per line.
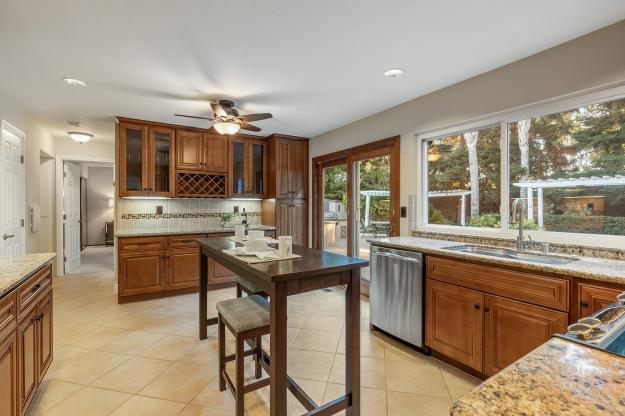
(71, 215)
(12, 191)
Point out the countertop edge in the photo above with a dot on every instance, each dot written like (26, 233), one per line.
(19, 280)
(540, 267)
(152, 233)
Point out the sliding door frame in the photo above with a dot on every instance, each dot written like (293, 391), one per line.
(390, 147)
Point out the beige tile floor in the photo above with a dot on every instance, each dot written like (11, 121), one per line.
(145, 359)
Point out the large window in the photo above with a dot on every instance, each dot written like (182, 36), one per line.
(568, 169)
(464, 178)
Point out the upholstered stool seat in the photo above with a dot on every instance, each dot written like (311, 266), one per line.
(247, 318)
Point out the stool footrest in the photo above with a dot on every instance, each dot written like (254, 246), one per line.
(247, 353)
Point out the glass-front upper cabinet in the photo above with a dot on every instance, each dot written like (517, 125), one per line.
(160, 167)
(133, 155)
(247, 167)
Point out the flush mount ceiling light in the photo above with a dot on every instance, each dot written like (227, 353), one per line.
(80, 137)
(75, 82)
(393, 73)
(226, 127)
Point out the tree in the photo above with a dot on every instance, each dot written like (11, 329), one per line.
(471, 139)
(523, 127)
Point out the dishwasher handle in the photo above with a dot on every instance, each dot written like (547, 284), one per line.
(398, 257)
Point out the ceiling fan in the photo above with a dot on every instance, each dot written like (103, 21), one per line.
(227, 119)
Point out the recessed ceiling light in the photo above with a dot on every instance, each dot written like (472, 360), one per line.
(75, 82)
(393, 73)
(80, 137)
(74, 123)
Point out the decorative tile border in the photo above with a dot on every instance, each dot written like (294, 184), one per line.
(571, 249)
(182, 215)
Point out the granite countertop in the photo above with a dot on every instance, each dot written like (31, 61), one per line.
(586, 267)
(16, 269)
(558, 378)
(178, 231)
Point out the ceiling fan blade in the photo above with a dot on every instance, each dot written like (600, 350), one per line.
(201, 118)
(256, 117)
(247, 126)
(218, 110)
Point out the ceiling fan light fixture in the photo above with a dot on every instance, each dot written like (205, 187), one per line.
(226, 127)
(80, 137)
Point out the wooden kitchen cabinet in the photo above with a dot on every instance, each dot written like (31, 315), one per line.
(8, 373)
(291, 220)
(454, 322)
(141, 272)
(512, 329)
(247, 167)
(44, 334)
(201, 152)
(183, 269)
(28, 376)
(145, 160)
(290, 159)
(592, 298)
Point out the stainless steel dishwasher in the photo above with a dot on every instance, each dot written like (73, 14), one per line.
(396, 293)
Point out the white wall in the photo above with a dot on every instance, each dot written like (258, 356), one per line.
(36, 139)
(99, 191)
(592, 61)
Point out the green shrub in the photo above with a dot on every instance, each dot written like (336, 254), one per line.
(587, 224)
(435, 216)
(490, 220)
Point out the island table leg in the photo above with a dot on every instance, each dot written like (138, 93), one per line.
(278, 340)
(352, 342)
(203, 295)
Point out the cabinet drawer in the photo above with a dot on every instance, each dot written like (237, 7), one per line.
(141, 243)
(526, 287)
(28, 292)
(8, 314)
(184, 241)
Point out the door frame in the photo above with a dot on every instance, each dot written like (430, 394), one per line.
(58, 213)
(23, 208)
(389, 146)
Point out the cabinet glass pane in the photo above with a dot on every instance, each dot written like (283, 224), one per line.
(134, 162)
(161, 162)
(257, 168)
(238, 168)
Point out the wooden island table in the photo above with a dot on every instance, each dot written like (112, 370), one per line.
(279, 279)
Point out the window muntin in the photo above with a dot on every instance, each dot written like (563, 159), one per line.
(464, 177)
(570, 168)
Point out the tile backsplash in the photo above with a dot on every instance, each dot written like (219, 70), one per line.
(137, 214)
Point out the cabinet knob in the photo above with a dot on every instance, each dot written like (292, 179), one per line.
(584, 304)
(476, 306)
(486, 309)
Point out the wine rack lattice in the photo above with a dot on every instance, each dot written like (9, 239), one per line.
(200, 184)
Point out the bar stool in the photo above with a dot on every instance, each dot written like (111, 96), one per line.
(246, 318)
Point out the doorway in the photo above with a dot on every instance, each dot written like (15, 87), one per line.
(356, 194)
(12, 189)
(85, 210)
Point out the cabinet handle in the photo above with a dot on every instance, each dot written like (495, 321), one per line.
(486, 309)
(143, 243)
(476, 306)
(187, 241)
(35, 288)
(584, 304)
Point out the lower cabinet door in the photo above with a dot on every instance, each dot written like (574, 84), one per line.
(454, 322)
(298, 223)
(8, 375)
(141, 272)
(218, 273)
(512, 329)
(184, 270)
(44, 334)
(27, 359)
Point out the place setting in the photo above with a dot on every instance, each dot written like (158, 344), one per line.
(255, 247)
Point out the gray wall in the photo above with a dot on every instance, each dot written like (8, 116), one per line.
(589, 62)
(99, 191)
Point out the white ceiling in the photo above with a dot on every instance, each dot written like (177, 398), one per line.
(314, 64)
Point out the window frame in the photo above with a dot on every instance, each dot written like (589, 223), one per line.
(504, 118)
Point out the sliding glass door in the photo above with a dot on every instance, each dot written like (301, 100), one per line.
(356, 194)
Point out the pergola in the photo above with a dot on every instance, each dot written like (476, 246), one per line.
(462, 194)
(539, 185)
(368, 195)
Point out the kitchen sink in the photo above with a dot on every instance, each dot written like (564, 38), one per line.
(508, 253)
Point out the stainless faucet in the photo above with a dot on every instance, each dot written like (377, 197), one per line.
(521, 244)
